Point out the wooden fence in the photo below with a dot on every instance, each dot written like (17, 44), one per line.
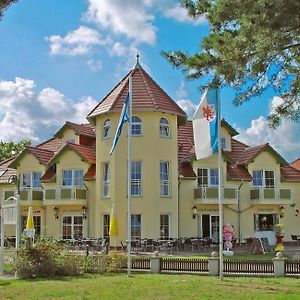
(248, 266)
(140, 263)
(191, 265)
(292, 267)
(230, 266)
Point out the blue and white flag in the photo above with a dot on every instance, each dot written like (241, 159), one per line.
(205, 124)
(124, 118)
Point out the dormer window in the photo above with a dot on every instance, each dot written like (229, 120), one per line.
(136, 126)
(31, 180)
(106, 129)
(164, 127)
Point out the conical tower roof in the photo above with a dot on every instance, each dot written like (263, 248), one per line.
(147, 95)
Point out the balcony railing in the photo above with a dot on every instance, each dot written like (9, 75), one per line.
(276, 195)
(136, 187)
(165, 188)
(26, 194)
(64, 193)
(210, 194)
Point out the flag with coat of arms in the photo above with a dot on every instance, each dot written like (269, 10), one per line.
(205, 124)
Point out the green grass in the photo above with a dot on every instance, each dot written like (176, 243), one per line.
(148, 286)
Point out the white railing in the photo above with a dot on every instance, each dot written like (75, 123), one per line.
(165, 188)
(72, 193)
(136, 187)
(105, 187)
(274, 194)
(26, 193)
(211, 193)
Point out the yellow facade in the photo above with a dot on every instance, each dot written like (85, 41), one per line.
(90, 203)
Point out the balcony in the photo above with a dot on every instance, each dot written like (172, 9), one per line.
(276, 195)
(209, 195)
(28, 196)
(65, 195)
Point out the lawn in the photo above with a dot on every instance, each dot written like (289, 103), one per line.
(148, 286)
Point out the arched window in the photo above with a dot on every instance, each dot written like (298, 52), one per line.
(164, 127)
(106, 129)
(136, 126)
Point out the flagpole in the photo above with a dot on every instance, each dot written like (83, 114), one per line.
(220, 194)
(129, 180)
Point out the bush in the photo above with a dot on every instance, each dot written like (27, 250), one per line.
(43, 259)
(94, 264)
(48, 258)
(117, 262)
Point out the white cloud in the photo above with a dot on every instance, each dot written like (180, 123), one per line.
(95, 65)
(182, 100)
(180, 14)
(78, 42)
(27, 114)
(127, 17)
(285, 139)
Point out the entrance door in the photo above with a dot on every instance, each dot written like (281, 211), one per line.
(209, 227)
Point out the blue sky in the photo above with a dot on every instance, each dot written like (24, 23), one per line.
(59, 58)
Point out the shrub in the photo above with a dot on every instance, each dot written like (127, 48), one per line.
(117, 262)
(45, 258)
(94, 264)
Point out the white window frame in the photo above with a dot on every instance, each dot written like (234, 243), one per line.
(73, 181)
(136, 179)
(132, 225)
(31, 180)
(164, 128)
(106, 129)
(211, 215)
(105, 225)
(105, 186)
(209, 176)
(162, 231)
(263, 172)
(165, 182)
(72, 225)
(135, 123)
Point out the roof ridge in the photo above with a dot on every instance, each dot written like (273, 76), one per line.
(109, 93)
(40, 149)
(148, 88)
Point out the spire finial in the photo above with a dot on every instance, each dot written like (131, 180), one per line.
(137, 64)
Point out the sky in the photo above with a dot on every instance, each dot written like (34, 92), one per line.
(59, 58)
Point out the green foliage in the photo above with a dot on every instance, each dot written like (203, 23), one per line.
(9, 149)
(4, 4)
(117, 262)
(252, 45)
(44, 259)
(47, 258)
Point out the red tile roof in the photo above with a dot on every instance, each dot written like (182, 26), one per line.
(42, 155)
(87, 153)
(185, 140)
(235, 172)
(5, 171)
(91, 173)
(237, 148)
(80, 129)
(54, 144)
(49, 175)
(288, 173)
(296, 164)
(186, 170)
(147, 96)
(250, 153)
